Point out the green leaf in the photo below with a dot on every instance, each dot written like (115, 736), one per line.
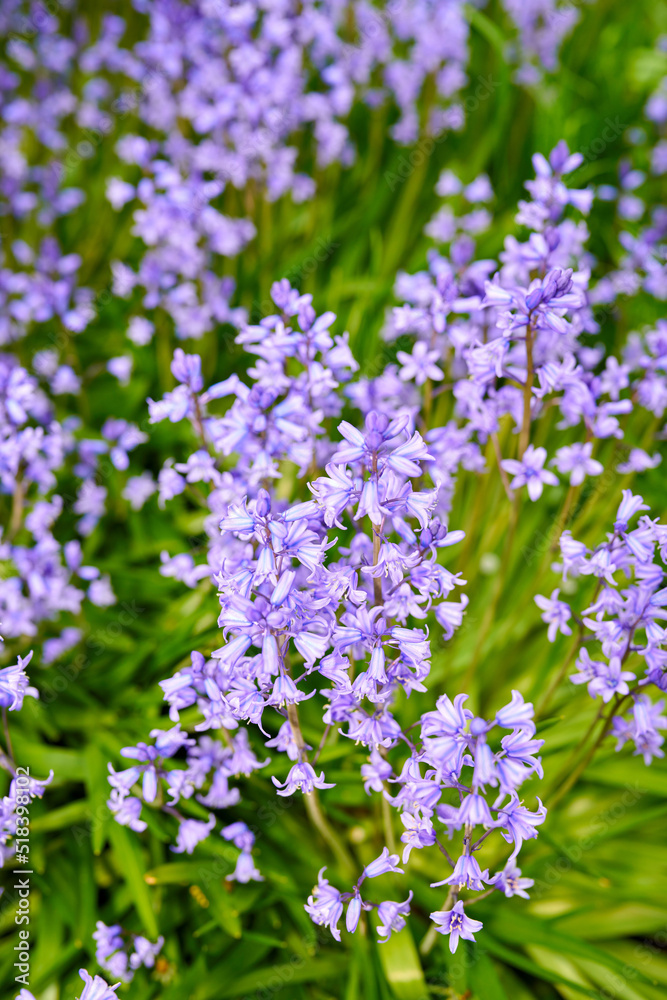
(520, 961)
(484, 979)
(402, 967)
(61, 818)
(224, 910)
(130, 864)
(526, 930)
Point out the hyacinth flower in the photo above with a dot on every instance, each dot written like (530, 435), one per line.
(121, 958)
(622, 626)
(304, 617)
(325, 906)
(454, 741)
(333, 594)
(298, 609)
(456, 924)
(46, 577)
(95, 988)
(509, 337)
(23, 787)
(209, 765)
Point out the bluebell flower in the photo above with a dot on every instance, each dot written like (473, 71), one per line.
(555, 613)
(511, 883)
(96, 988)
(245, 870)
(419, 832)
(457, 924)
(191, 832)
(629, 506)
(391, 917)
(126, 811)
(383, 864)
(353, 913)
(529, 471)
(14, 684)
(240, 834)
(301, 776)
(325, 906)
(145, 952)
(466, 872)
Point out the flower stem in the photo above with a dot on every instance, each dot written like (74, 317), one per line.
(524, 437)
(503, 473)
(431, 935)
(312, 804)
(8, 739)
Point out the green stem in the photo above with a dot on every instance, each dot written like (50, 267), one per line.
(431, 935)
(16, 516)
(499, 586)
(8, 739)
(311, 801)
(524, 437)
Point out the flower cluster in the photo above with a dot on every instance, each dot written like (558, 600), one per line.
(624, 621)
(113, 951)
(456, 757)
(95, 988)
(511, 337)
(209, 764)
(15, 806)
(325, 906)
(314, 606)
(48, 577)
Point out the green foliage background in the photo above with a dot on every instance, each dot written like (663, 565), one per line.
(596, 923)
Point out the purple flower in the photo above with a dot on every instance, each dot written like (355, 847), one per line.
(457, 924)
(391, 917)
(353, 913)
(302, 776)
(191, 832)
(126, 810)
(556, 614)
(638, 461)
(466, 872)
(603, 679)
(375, 773)
(420, 365)
(96, 988)
(419, 833)
(14, 685)
(325, 906)
(383, 864)
(530, 472)
(511, 882)
(518, 823)
(245, 870)
(138, 489)
(240, 834)
(517, 714)
(629, 506)
(576, 459)
(145, 953)
(107, 939)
